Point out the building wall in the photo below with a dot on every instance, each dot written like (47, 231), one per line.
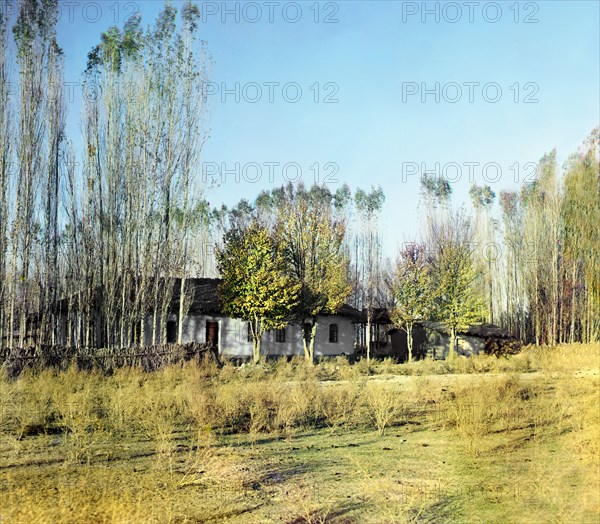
(470, 345)
(233, 336)
(438, 344)
(293, 339)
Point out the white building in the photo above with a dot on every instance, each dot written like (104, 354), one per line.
(205, 323)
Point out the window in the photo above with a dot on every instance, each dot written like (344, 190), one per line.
(280, 335)
(249, 337)
(171, 332)
(333, 333)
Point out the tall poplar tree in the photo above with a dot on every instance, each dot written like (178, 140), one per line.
(368, 283)
(312, 242)
(457, 303)
(5, 164)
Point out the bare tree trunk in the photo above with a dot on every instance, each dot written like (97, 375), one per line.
(5, 155)
(369, 327)
(313, 335)
(452, 351)
(409, 340)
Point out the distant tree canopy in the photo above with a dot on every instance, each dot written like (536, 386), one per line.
(435, 189)
(310, 267)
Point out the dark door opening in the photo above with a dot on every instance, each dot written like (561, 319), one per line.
(171, 332)
(212, 333)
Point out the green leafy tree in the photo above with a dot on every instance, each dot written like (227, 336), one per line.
(413, 291)
(255, 285)
(312, 241)
(456, 304)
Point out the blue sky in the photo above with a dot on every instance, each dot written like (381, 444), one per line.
(371, 58)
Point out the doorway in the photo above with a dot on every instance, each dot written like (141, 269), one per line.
(171, 332)
(212, 333)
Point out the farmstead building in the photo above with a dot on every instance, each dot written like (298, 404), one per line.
(205, 323)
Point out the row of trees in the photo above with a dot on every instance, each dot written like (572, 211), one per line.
(296, 253)
(533, 268)
(342, 231)
(31, 142)
(100, 238)
(436, 280)
(286, 261)
(552, 274)
(543, 280)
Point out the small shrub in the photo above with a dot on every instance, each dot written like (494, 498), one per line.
(364, 367)
(228, 372)
(232, 406)
(340, 404)
(262, 407)
(306, 506)
(387, 367)
(121, 405)
(383, 404)
(79, 416)
(161, 410)
(202, 406)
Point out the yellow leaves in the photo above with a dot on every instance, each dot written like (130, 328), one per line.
(255, 284)
(311, 242)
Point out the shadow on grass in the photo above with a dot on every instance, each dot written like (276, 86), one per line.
(222, 516)
(444, 510)
(337, 515)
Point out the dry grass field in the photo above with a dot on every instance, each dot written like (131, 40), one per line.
(475, 440)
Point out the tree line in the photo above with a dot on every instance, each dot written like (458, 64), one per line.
(94, 241)
(532, 265)
(100, 236)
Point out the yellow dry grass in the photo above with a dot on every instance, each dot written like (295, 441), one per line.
(473, 440)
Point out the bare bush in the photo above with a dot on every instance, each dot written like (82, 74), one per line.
(383, 403)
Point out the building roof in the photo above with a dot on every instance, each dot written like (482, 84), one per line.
(204, 295)
(206, 300)
(483, 330)
(380, 316)
(347, 311)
